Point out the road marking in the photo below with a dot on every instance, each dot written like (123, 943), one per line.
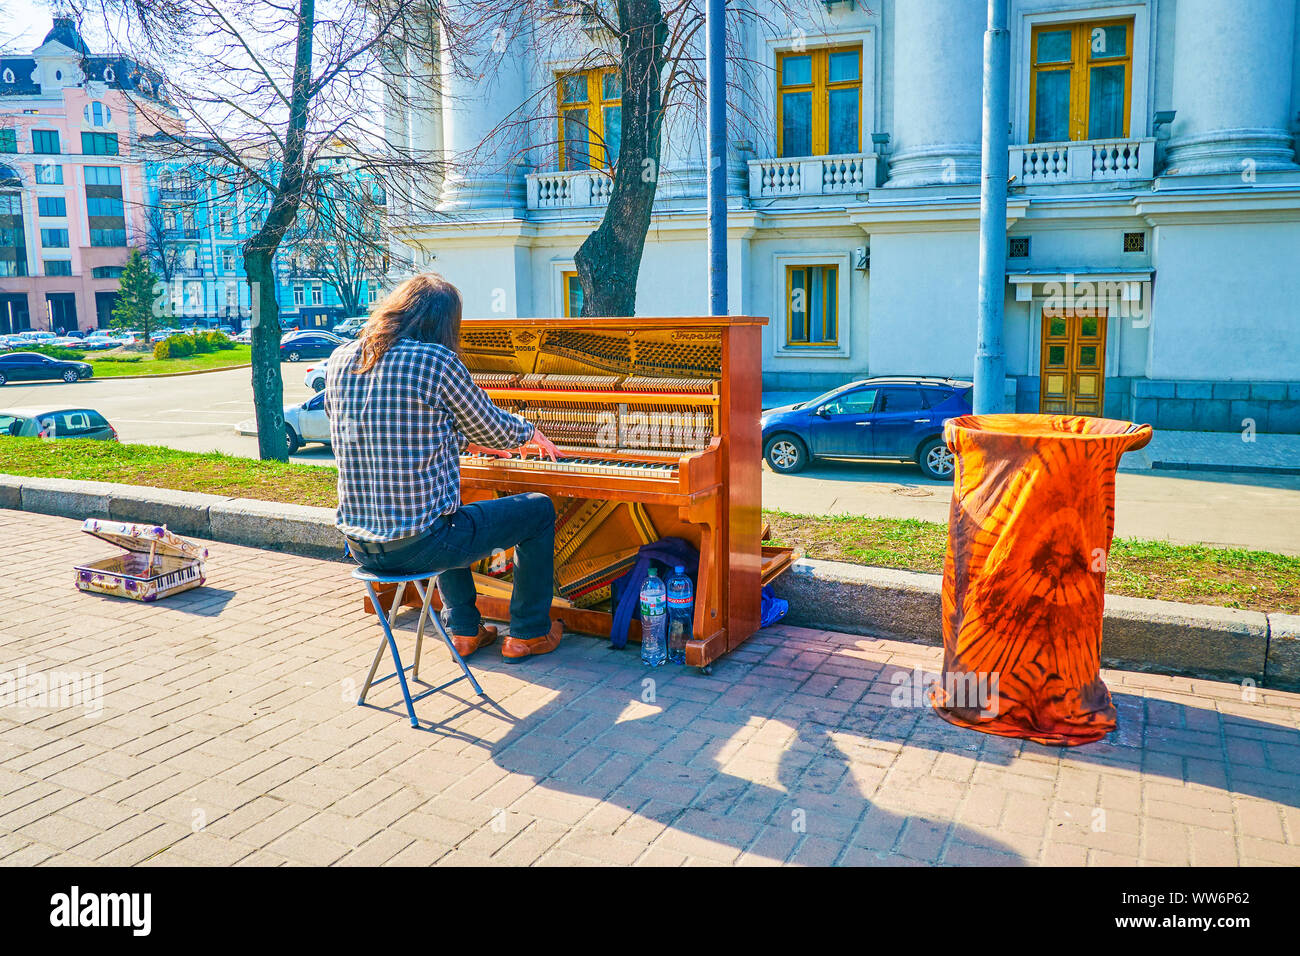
(170, 421)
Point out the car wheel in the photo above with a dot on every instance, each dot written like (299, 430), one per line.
(294, 356)
(318, 385)
(70, 376)
(291, 437)
(936, 460)
(3, 379)
(786, 454)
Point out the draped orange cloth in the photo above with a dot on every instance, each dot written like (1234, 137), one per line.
(1024, 582)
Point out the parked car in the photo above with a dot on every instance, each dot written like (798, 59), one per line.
(315, 377)
(306, 422)
(37, 338)
(67, 342)
(351, 326)
(32, 366)
(56, 423)
(245, 337)
(891, 419)
(308, 345)
(226, 330)
(97, 341)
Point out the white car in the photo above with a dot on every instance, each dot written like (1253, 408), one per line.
(315, 377)
(37, 338)
(307, 423)
(245, 337)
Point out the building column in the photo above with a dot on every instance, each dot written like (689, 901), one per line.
(485, 155)
(1232, 87)
(938, 59)
(397, 120)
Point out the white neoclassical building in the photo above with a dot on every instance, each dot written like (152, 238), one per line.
(1153, 267)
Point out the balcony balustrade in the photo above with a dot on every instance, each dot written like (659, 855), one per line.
(1090, 161)
(568, 189)
(845, 174)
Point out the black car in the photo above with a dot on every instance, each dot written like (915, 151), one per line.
(308, 345)
(35, 367)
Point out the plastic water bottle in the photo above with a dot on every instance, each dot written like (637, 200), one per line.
(654, 623)
(681, 611)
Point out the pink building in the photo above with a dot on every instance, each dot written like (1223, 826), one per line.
(71, 178)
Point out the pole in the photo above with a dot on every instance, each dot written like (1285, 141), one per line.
(990, 359)
(715, 30)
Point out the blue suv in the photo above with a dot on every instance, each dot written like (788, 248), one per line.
(895, 419)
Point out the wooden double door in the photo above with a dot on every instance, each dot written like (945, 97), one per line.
(1073, 362)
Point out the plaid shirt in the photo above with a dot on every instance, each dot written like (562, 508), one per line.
(397, 431)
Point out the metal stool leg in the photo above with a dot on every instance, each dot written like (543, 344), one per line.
(383, 642)
(425, 590)
(392, 646)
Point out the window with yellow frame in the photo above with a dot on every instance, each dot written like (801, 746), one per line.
(1082, 80)
(572, 292)
(812, 305)
(591, 118)
(819, 102)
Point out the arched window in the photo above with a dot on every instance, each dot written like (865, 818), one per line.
(9, 76)
(58, 74)
(98, 114)
(8, 178)
(109, 75)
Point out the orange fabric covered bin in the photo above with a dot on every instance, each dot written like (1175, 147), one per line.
(1024, 582)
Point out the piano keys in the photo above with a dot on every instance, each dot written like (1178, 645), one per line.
(657, 424)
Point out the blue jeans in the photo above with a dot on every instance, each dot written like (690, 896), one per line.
(473, 532)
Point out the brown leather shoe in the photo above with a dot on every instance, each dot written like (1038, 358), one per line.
(515, 649)
(465, 646)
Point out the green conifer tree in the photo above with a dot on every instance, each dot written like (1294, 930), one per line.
(135, 302)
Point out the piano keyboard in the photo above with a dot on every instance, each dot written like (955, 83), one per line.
(577, 464)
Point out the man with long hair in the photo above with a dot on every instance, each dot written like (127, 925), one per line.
(402, 407)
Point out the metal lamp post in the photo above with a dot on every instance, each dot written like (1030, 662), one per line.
(990, 359)
(715, 30)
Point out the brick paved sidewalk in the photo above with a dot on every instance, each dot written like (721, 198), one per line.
(229, 734)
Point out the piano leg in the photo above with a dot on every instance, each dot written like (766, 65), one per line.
(708, 641)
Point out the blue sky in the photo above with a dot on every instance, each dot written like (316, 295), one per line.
(24, 22)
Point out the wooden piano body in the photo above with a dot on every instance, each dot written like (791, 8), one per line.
(657, 420)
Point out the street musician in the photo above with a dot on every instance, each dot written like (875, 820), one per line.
(403, 408)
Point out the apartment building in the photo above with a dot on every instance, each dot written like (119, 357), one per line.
(70, 176)
(198, 216)
(1153, 266)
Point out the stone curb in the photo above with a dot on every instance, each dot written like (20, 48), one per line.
(1199, 640)
(297, 529)
(1138, 634)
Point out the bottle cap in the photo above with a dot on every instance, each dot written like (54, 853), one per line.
(680, 569)
(654, 572)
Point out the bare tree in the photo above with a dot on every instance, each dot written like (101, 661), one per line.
(656, 47)
(157, 244)
(339, 238)
(268, 89)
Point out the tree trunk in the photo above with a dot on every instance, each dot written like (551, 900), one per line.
(268, 387)
(259, 253)
(609, 260)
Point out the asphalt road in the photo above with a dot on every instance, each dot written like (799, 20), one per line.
(201, 412)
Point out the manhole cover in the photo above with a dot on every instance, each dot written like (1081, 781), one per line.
(912, 491)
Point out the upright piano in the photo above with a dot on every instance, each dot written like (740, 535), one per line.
(657, 423)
